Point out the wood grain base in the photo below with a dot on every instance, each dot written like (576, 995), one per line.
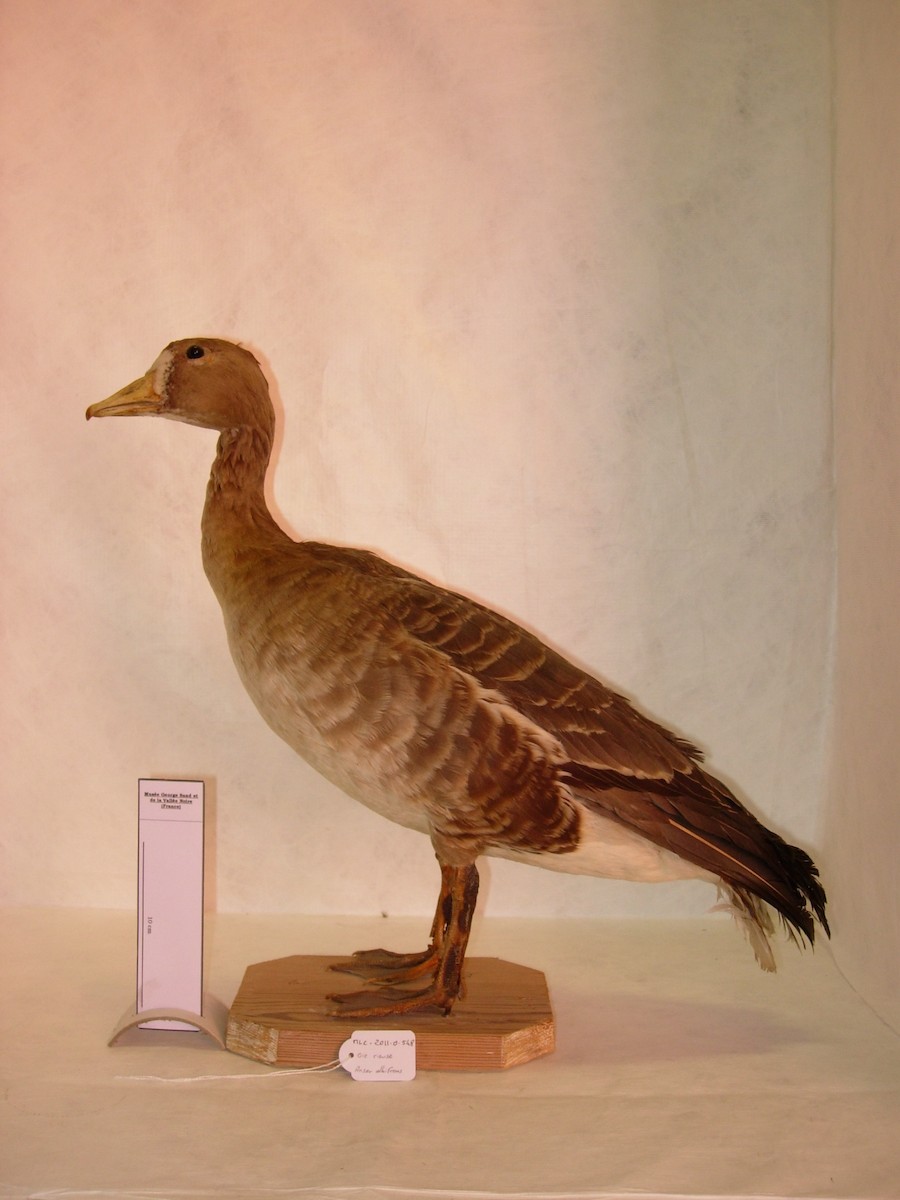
(281, 1016)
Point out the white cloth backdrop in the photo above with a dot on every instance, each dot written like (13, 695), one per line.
(542, 289)
(862, 830)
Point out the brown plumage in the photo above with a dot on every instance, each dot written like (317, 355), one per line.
(444, 716)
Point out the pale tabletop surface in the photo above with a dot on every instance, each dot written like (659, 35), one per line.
(680, 1070)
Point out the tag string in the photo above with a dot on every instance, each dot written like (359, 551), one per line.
(322, 1069)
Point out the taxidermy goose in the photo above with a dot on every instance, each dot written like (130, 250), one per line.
(446, 717)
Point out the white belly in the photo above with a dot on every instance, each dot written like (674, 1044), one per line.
(611, 851)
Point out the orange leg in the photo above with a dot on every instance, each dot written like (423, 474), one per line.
(442, 961)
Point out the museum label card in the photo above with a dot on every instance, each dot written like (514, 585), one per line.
(170, 898)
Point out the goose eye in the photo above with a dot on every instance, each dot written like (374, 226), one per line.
(195, 352)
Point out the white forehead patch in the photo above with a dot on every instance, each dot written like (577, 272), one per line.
(162, 369)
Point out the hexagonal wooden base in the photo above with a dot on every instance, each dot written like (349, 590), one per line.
(281, 1016)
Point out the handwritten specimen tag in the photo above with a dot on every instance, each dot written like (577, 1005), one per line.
(379, 1055)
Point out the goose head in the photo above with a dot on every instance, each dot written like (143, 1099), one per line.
(201, 381)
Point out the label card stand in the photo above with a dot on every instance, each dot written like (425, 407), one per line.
(212, 1021)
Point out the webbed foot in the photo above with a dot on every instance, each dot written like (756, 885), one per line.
(387, 966)
(442, 961)
(391, 1001)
